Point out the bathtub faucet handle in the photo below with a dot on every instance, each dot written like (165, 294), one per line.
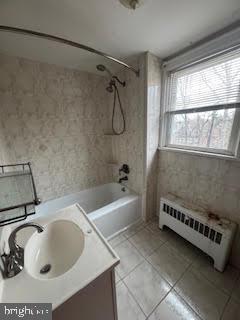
(125, 169)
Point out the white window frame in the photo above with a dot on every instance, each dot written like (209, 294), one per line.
(165, 125)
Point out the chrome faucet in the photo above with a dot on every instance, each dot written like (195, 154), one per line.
(14, 261)
(123, 179)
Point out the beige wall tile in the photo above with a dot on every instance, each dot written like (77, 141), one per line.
(55, 118)
(211, 183)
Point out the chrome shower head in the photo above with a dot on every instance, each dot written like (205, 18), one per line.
(102, 68)
(112, 83)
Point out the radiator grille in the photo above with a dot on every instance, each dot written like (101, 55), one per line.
(199, 227)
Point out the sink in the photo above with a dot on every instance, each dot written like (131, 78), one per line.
(54, 251)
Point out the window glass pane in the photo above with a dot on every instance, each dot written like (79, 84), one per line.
(211, 129)
(215, 83)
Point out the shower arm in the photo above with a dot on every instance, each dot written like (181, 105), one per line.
(66, 42)
(123, 83)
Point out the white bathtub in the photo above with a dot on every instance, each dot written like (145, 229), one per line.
(108, 206)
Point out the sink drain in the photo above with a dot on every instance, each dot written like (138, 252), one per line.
(45, 269)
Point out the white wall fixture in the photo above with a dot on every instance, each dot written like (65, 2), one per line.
(213, 236)
(132, 4)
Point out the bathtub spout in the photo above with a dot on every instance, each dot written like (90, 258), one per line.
(123, 179)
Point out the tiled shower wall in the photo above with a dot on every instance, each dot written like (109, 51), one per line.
(152, 133)
(129, 147)
(211, 183)
(3, 151)
(55, 118)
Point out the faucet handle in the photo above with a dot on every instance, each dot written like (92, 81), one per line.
(124, 168)
(19, 252)
(13, 266)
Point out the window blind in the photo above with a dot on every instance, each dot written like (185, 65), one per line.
(212, 83)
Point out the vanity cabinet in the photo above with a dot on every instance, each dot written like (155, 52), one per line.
(97, 301)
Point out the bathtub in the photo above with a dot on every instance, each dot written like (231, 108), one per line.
(111, 207)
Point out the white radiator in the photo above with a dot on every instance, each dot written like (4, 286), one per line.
(214, 237)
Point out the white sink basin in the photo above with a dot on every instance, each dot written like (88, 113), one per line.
(54, 251)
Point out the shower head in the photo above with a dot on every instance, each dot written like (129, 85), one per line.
(112, 83)
(102, 68)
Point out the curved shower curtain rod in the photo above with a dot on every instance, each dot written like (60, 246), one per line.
(67, 42)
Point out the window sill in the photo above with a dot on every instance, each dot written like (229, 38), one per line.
(200, 153)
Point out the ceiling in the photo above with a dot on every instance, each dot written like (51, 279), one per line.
(159, 26)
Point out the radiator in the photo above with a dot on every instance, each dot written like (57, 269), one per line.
(214, 237)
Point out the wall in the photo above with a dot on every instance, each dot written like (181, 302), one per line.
(129, 147)
(153, 76)
(56, 119)
(3, 150)
(211, 183)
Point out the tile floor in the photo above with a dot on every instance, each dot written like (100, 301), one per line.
(163, 277)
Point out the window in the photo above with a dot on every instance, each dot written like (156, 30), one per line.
(202, 106)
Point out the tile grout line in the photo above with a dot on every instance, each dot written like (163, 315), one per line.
(146, 227)
(132, 270)
(172, 289)
(185, 272)
(144, 260)
(176, 251)
(122, 279)
(183, 275)
(225, 307)
(147, 316)
(159, 303)
(210, 281)
(136, 231)
(160, 274)
(191, 265)
(218, 288)
(142, 254)
(132, 295)
(237, 280)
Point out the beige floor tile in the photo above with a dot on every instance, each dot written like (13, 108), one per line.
(236, 290)
(117, 240)
(232, 311)
(164, 234)
(146, 241)
(223, 280)
(129, 258)
(117, 278)
(168, 263)
(173, 307)
(153, 226)
(147, 287)
(204, 298)
(154, 219)
(184, 248)
(128, 309)
(134, 229)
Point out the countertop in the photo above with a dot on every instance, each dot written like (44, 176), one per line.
(96, 258)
